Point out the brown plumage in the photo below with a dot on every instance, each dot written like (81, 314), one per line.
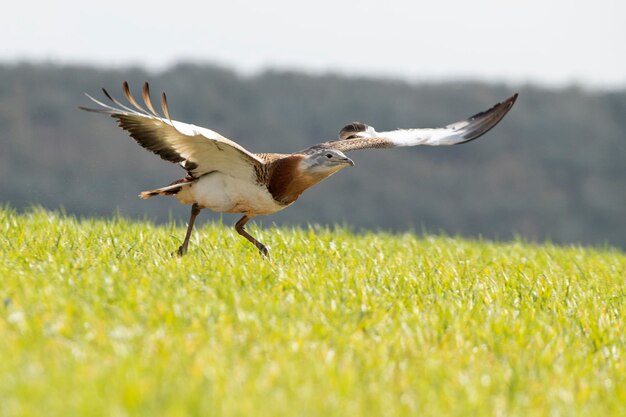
(225, 177)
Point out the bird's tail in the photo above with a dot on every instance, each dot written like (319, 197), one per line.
(171, 189)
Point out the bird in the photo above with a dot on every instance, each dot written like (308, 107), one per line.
(225, 177)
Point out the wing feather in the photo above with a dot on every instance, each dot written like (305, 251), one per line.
(113, 99)
(358, 135)
(145, 92)
(164, 107)
(197, 149)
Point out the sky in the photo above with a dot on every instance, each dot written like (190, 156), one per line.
(547, 42)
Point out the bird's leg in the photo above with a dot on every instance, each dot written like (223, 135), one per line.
(239, 227)
(195, 210)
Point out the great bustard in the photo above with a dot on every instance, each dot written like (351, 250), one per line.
(225, 177)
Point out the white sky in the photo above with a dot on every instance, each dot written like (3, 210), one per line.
(555, 42)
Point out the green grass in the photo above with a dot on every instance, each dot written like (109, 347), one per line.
(100, 320)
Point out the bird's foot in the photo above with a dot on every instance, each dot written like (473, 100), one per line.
(181, 251)
(264, 251)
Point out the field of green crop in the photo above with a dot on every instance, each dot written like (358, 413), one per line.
(98, 319)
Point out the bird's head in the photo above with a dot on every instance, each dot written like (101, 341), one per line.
(324, 161)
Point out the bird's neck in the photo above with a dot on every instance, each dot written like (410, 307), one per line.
(287, 180)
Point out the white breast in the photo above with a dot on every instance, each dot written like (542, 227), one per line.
(225, 194)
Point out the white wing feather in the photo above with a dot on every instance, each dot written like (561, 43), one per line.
(358, 135)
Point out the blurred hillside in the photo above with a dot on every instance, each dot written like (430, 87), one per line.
(555, 168)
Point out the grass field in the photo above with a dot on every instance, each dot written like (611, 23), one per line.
(98, 319)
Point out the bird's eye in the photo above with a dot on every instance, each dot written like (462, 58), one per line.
(329, 155)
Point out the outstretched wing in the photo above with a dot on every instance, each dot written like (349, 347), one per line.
(198, 150)
(361, 136)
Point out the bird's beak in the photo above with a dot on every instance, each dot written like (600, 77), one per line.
(348, 161)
